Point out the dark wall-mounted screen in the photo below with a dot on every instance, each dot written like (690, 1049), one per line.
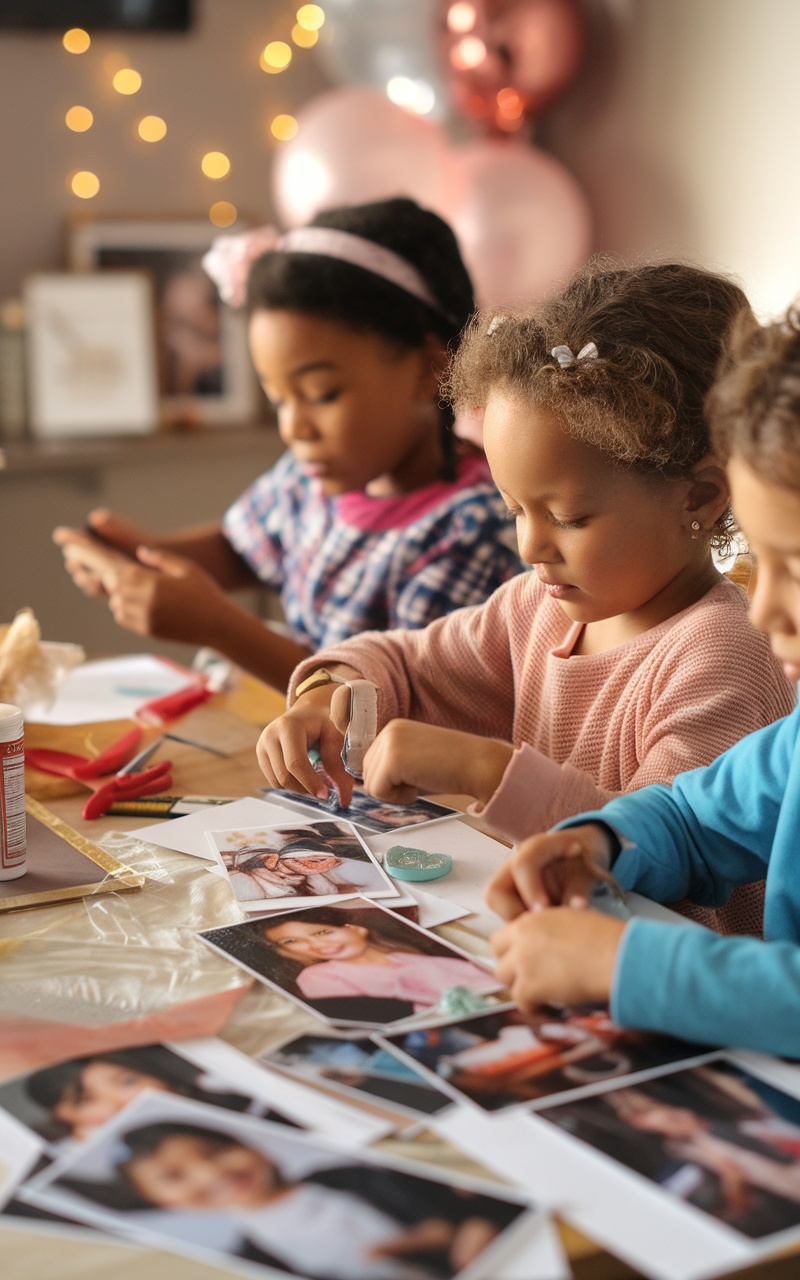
(97, 15)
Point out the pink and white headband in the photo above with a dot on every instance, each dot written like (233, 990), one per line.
(230, 258)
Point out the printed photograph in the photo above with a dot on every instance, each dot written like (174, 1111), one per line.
(210, 1184)
(66, 1103)
(373, 815)
(298, 864)
(358, 1069)
(355, 963)
(715, 1136)
(508, 1059)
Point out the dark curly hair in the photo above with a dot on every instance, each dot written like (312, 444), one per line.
(660, 331)
(754, 406)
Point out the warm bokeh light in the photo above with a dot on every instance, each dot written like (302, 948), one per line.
(215, 164)
(275, 57)
(223, 213)
(510, 104)
(76, 40)
(303, 38)
(415, 95)
(310, 16)
(79, 119)
(461, 18)
(127, 81)
(151, 128)
(468, 53)
(284, 128)
(84, 184)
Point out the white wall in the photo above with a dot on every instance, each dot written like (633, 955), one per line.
(685, 135)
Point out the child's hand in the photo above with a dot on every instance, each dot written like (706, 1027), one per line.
(408, 759)
(554, 869)
(562, 955)
(93, 567)
(167, 596)
(284, 745)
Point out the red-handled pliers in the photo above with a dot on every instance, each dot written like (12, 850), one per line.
(129, 778)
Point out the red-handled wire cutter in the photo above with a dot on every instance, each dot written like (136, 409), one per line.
(130, 778)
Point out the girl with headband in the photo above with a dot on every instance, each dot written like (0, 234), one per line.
(376, 516)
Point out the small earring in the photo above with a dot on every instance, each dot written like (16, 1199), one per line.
(696, 527)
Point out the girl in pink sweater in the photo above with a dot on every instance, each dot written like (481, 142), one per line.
(626, 657)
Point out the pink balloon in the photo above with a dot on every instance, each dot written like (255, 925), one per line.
(522, 221)
(354, 145)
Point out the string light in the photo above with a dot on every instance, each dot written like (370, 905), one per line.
(76, 40)
(415, 95)
(223, 213)
(303, 38)
(284, 128)
(84, 184)
(127, 81)
(310, 16)
(151, 128)
(461, 18)
(275, 57)
(468, 53)
(215, 164)
(79, 119)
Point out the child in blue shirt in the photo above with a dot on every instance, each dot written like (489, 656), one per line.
(374, 518)
(717, 827)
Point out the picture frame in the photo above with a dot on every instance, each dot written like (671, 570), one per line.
(204, 370)
(91, 355)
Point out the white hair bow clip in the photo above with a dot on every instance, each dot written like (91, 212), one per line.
(565, 356)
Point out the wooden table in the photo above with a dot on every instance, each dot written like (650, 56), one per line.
(30, 1256)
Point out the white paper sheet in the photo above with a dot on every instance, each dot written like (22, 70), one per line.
(475, 855)
(112, 689)
(19, 1151)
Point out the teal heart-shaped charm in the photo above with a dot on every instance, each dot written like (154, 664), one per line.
(406, 863)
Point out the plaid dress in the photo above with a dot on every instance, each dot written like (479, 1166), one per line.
(357, 563)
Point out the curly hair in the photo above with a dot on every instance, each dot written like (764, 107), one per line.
(754, 406)
(660, 331)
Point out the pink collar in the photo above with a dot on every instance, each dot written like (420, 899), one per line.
(377, 515)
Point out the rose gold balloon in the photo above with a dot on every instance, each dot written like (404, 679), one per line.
(522, 220)
(505, 60)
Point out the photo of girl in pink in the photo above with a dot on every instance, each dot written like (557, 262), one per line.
(353, 962)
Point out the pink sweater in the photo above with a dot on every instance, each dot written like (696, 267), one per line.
(585, 728)
(420, 979)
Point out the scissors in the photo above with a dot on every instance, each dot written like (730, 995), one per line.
(129, 777)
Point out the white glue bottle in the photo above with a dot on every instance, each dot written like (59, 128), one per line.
(12, 793)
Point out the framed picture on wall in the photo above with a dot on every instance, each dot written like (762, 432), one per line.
(91, 354)
(204, 371)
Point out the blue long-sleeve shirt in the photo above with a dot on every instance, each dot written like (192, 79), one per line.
(717, 827)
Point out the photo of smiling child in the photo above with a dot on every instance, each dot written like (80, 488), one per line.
(294, 1204)
(298, 864)
(354, 963)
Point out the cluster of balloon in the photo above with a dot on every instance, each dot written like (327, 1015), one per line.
(522, 220)
(504, 61)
